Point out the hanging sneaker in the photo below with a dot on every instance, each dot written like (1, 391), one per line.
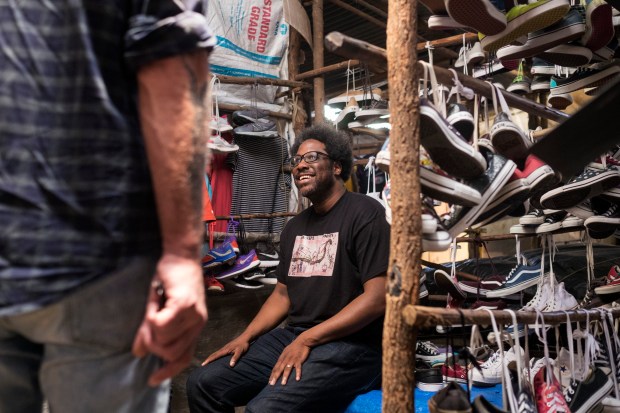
(553, 222)
(583, 210)
(605, 221)
(540, 177)
(470, 55)
(523, 19)
(595, 75)
(232, 240)
(460, 119)
(567, 55)
(508, 139)
(522, 229)
(245, 116)
(491, 371)
(544, 293)
(593, 181)
(224, 254)
(219, 124)
(519, 278)
(443, 22)
(446, 146)
(559, 101)
(448, 284)
(383, 156)
(347, 114)
(582, 396)
(270, 278)
(218, 145)
(521, 84)
(611, 290)
(437, 241)
(268, 260)
(453, 371)
(549, 397)
(243, 264)
(429, 379)
(599, 26)
(591, 299)
(542, 67)
(263, 128)
(571, 222)
(561, 300)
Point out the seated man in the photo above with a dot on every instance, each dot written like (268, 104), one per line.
(331, 286)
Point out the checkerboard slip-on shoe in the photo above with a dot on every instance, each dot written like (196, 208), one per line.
(525, 18)
(461, 119)
(508, 139)
(596, 75)
(567, 55)
(570, 27)
(446, 146)
(480, 15)
(599, 25)
(440, 186)
(499, 171)
(559, 101)
(593, 181)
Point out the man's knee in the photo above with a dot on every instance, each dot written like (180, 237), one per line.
(200, 382)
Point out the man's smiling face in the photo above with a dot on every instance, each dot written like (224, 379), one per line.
(316, 179)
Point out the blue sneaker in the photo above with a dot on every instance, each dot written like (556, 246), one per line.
(224, 254)
(519, 278)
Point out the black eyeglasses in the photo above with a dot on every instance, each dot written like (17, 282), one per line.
(308, 157)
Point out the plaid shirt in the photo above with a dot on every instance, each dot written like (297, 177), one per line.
(75, 194)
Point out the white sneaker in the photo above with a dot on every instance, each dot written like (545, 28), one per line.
(562, 368)
(492, 371)
(543, 296)
(219, 145)
(220, 124)
(561, 300)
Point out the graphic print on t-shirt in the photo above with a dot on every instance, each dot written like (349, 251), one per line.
(314, 255)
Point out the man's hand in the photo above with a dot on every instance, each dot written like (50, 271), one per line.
(293, 356)
(236, 347)
(173, 322)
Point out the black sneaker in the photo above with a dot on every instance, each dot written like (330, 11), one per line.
(241, 282)
(452, 398)
(534, 217)
(254, 275)
(446, 146)
(591, 182)
(459, 117)
(591, 299)
(508, 139)
(610, 219)
(584, 77)
(582, 396)
(427, 351)
(268, 260)
(269, 278)
(263, 128)
(429, 379)
(498, 172)
(553, 222)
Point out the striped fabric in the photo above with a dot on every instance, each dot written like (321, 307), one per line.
(75, 193)
(259, 186)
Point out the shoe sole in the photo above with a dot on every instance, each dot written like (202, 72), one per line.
(607, 289)
(439, 22)
(268, 280)
(568, 196)
(446, 148)
(447, 190)
(463, 122)
(546, 15)
(432, 387)
(567, 55)
(447, 379)
(515, 192)
(541, 181)
(443, 281)
(253, 264)
(268, 264)
(600, 29)
(248, 286)
(215, 264)
(597, 79)
(480, 15)
(559, 102)
(435, 245)
(264, 134)
(522, 88)
(546, 41)
(470, 217)
(601, 224)
(508, 140)
(546, 228)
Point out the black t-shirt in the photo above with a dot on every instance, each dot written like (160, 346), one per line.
(326, 259)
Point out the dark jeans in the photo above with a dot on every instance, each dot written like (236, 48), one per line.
(332, 376)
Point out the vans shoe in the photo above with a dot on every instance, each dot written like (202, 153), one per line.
(508, 139)
(481, 15)
(567, 55)
(599, 26)
(520, 277)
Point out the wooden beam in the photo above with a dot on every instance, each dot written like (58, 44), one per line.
(373, 8)
(359, 13)
(229, 107)
(328, 69)
(233, 80)
(448, 41)
(358, 49)
(405, 236)
(318, 60)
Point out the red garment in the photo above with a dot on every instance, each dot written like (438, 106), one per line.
(207, 209)
(221, 176)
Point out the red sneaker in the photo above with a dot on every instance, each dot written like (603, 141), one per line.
(612, 284)
(454, 372)
(538, 175)
(212, 285)
(549, 397)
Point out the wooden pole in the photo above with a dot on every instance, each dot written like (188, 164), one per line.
(299, 114)
(233, 80)
(359, 13)
(405, 241)
(375, 9)
(353, 48)
(425, 317)
(328, 69)
(318, 60)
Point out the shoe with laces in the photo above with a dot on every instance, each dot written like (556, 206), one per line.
(561, 300)
(544, 293)
(212, 285)
(539, 176)
(268, 259)
(491, 371)
(347, 114)
(448, 284)
(540, 84)
(224, 254)
(610, 219)
(521, 84)
(232, 240)
(241, 282)
(263, 128)
(549, 397)
(570, 27)
(480, 15)
(583, 210)
(383, 156)
(611, 289)
(452, 371)
(427, 351)
(523, 19)
(470, 55)
(438, 185)
(508, 139)
(595, 75)
(591, 299)
(535, 217)
(217, 144)
(593, 181)
(520, 277)
(244, 263)
(460, 119)
(553, 222)
(429, 379)
(582, 396)
(446, 146)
